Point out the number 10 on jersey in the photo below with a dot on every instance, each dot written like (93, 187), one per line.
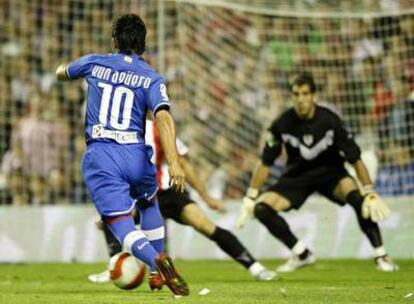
(120, 94)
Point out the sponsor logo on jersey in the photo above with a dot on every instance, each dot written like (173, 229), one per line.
(122, 137)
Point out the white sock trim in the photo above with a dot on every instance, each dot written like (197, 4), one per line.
(380, 251)
(256, 268)
(155, 234)
(131, 238)
(299, 248)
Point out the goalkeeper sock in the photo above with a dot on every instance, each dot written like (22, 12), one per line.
(256, 268)
(232, 246)
(370, 228)
(275, 224)
(301, 251)
(380, 252)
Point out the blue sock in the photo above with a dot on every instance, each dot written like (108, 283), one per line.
(133, 241)
(152, 224)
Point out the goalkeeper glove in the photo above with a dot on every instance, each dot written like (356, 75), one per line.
(373, 206)
(246, 210)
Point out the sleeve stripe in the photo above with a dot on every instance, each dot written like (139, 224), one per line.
(67, 71)
(161, 104)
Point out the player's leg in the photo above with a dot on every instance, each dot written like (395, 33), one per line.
(117, 217)
(110, 194)
(192, 215)
(155, 229)
(113, 247)
(136, 242)
(347, 190)
(152, 224)
(133, 240)
(138, 245)
(267, 209)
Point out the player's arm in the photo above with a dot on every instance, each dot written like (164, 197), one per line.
(350, 150)
(362, 173)
(260, 175)
(61, 73)
(199, 186)
(76, 69)
(166, 128)
(271, 151)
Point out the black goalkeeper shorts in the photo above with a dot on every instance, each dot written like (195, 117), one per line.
(297, 193)
(172, 203)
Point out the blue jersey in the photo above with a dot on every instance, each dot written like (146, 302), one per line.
(117, 166)
(121, 88)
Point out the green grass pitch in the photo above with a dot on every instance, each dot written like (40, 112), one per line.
(329, 281)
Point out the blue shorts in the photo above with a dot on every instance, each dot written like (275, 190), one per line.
(118, 175)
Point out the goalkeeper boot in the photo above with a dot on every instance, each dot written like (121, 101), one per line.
(260, 273)
(266, 275)
(172, 279)
(156, 281)
(296, 262)
(384, 263)
(100, 278)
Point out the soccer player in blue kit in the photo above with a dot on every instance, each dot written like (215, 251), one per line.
(117, 166)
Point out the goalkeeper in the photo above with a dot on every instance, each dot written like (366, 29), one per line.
(317, 146)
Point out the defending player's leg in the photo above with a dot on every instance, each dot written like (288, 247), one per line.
(266, 212)
(101, 277)
(113, 247)
(193, 216)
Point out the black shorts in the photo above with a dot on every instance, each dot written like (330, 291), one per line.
(297, 193)
(172, 203)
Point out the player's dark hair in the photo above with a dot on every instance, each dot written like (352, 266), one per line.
(129, 32)
(304, 79)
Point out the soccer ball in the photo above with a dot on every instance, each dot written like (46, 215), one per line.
(126, 272)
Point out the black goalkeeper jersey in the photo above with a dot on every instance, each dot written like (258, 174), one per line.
(316, 148)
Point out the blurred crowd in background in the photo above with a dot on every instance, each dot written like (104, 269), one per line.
(227, 72)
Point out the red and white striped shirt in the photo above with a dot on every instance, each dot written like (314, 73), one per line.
(152, 138)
